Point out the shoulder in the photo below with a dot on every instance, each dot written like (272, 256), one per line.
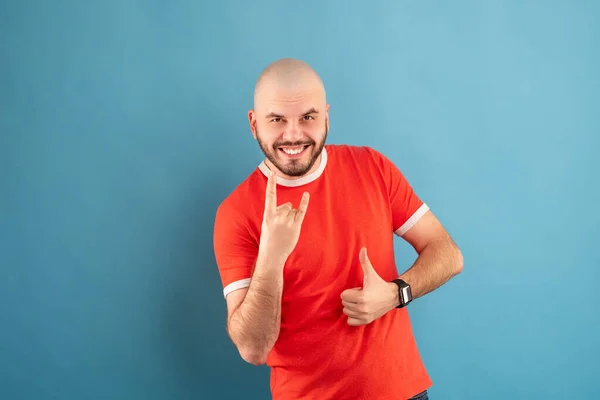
(362, 155)
(243, 197)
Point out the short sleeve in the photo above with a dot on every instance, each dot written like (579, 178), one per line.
(406, 206)
(235, 249)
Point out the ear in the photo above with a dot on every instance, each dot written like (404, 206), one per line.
(252, 122)
(327, 115)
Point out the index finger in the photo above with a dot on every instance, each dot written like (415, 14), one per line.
(271, 193)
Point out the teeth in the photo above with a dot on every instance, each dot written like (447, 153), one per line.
(291, 152)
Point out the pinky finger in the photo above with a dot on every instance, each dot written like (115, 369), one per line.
(303, 207)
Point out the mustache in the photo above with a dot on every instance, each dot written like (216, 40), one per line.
(292, 144)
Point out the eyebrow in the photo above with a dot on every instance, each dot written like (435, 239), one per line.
(275, 115)
(311, 111)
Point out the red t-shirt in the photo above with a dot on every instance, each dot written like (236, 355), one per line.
(358, 198)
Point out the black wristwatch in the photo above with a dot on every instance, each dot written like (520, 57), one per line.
(404, 293)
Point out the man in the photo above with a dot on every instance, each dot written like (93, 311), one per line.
(304, 247)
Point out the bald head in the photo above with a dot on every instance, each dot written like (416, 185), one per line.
(287, 75)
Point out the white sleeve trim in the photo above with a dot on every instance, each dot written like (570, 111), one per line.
(412, 220)
(235, 286)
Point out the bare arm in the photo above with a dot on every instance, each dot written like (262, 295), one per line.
(254, 313)
(439, 258)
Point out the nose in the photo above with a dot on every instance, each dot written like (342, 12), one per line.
(292, 132)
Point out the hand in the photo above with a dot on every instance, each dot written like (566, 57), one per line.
(281, 224)
(376, 297)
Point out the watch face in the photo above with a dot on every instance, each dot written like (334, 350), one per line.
(406, 294)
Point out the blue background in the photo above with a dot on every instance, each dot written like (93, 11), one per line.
(123, 125)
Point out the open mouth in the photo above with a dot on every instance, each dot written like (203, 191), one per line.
(293, 151)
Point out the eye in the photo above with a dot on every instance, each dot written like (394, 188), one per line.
(276, 120)
(308, 117)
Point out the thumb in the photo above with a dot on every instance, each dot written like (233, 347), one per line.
(366, 266)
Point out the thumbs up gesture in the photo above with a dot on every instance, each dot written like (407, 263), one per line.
(376, 297)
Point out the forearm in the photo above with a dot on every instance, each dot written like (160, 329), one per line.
(439, 261)
(254, 326)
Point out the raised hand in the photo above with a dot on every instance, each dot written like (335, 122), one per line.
(373, 300)
(281, 224)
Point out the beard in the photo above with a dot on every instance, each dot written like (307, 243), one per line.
(293, 167)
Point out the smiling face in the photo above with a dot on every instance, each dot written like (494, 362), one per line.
(290, 119)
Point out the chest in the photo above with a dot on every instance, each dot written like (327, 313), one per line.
(342, 217)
